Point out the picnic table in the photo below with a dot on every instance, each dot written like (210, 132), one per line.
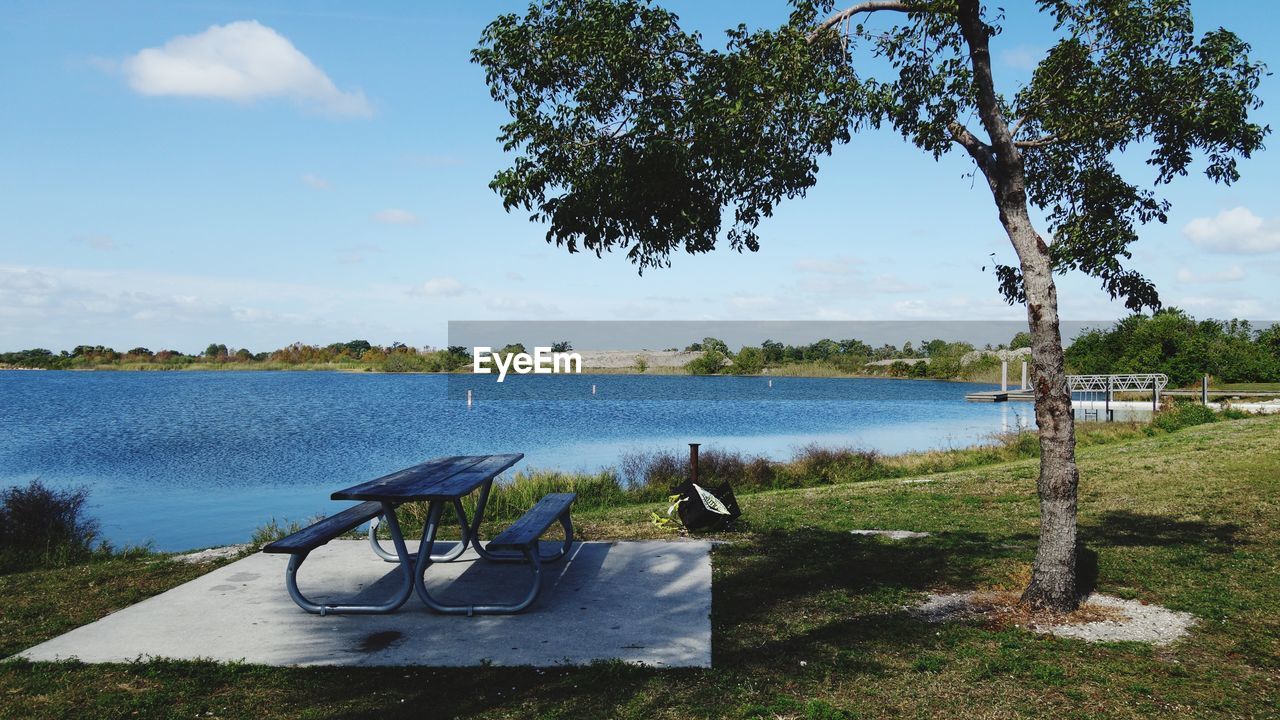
(440, 482)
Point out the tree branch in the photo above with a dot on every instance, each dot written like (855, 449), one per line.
(975, 33)
(1013, 131)
(978, 150)
(1038, 142)
(1053, 138)
(869, 6)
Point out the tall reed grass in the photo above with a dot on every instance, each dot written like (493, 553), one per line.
(44, 527)
(651, 476)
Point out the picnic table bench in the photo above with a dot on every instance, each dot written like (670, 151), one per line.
(439, 482)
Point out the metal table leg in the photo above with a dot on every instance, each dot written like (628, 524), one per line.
(424, 561)
(394, 603)
(450, 556)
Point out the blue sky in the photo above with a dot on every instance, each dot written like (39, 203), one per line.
(337, 188)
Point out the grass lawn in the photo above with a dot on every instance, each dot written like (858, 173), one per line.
(1243, 387)
(807, 619)
(1247, 387)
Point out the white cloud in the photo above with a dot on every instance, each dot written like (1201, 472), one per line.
(1236, 231)
(357, 253)
(1231, 274)
(441, 287)
(243, 62)
(62, 307)
(521, 306)
(1204, 306)
(749, 301)
(316, 182)
(890, 283)
(832, 283)
(914, 309)
(1247, 308)
(395, 216)
(829, 266)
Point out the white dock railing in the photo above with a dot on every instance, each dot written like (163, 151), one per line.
(1108, 385)
(1118, 383)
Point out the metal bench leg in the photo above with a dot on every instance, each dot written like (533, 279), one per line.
(424, 561)
(391, 605)
(475, 532)
(565, 523)
(450, 556)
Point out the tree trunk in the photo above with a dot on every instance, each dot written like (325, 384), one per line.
(1053, 577)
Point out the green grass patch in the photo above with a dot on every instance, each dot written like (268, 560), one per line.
(40, 604)
(1246, 386)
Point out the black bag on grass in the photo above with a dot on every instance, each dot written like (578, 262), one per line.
(703, 508)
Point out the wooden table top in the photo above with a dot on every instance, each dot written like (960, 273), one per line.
(442, 478)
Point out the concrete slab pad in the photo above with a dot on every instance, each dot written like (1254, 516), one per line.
(640, 602)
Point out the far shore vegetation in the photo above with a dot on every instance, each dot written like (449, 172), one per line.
(1237, 356)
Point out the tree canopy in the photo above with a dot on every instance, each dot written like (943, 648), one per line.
(1174, 343)
(631, 133)
(634, 134)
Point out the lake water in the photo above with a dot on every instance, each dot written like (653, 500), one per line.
(193, 459)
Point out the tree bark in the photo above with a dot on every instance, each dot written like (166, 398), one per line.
(1053, 576)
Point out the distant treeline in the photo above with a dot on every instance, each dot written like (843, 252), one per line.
(1170, 342)
(353, 355)
(1176, 344)
(357, 354)
(930, 358)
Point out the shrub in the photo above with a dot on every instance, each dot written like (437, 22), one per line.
(1183, 414)
(404, 362)
(1230, 413)
(274, 530)
(42, 527)
(1021, 443)
(509, 500)
(815, 464)
(657, 472)
(748, 361)
(710, 362)
(656, 468)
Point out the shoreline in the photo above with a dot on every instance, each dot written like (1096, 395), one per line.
(586, 372)
(808, 467)
(1178, 392)
(820, 465)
